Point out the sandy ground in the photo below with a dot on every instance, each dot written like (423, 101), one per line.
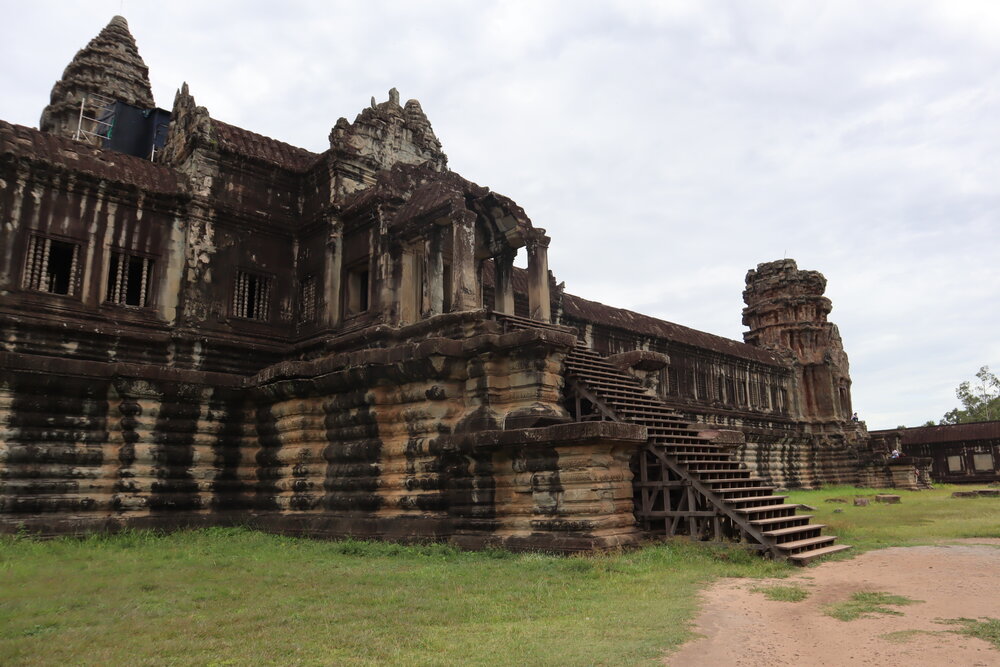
(961, 579)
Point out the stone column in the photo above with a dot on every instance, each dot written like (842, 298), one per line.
(435, 272)
(539, 302)
(331, 286)
(464, 286)
(503, 288)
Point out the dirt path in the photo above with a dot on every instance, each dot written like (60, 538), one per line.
(961, 579)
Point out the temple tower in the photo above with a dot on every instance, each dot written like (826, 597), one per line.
(786, 313)
(109, 66)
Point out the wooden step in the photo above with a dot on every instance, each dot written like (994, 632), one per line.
(760, 523)
(748, 499)
(735, 491)
(766, 508)
(744, 489)
(782, 532)
(807, 542)
(731, 470)
(712, 482)
(806, 557)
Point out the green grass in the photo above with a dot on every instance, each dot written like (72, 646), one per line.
(783, 593)
(866, 603)
(922, 517)
(985, 628)
(234, 596)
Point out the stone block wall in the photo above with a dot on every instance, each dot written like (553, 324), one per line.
(386, 442)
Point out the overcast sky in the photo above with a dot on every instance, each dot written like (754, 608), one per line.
(667, 147)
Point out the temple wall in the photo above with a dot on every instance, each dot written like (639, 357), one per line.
(376, 443)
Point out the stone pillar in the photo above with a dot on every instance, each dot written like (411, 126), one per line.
(503, 288)
(435, 272)
(464, 285)
(539, 301)
(331, 286)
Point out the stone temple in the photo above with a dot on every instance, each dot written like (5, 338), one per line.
(202, 325)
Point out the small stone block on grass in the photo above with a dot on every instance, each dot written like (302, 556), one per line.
(992, 493)
(860, 502)
(887, 498)
(964, 494)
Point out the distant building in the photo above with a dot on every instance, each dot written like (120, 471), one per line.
(959, 453)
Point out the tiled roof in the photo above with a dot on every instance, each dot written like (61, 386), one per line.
(950, 433)
(578, 308)
(29, 143)
(584, 311)
(250, 144)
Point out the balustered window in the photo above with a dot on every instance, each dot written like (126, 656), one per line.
(129, 279)
(702, 384)
(252, 297)
(52, 266)
(307, 300)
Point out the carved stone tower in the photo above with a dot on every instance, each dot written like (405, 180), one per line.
(110, 66)
(786, 313)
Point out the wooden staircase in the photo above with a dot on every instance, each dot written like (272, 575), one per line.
(685, 484)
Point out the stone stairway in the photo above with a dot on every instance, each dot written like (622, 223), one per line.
(685, 482)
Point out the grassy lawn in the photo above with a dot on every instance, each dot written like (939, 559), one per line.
(237, 597)
(922, 517)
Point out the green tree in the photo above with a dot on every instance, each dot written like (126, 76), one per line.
(980, 400)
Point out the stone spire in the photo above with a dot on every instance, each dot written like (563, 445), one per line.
(386, 134)
(110, 65)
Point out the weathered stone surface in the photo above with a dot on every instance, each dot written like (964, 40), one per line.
(888, 498)
(330, 344)
(861, 502)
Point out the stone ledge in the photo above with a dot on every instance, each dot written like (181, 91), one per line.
(559, 434)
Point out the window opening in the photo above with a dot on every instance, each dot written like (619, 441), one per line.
(955, 463)
(252, 299)
(52, 266)
(307, 300)
(358, 288)
(702, 378)
(982, 462)
(128, 280)
(730, 390)
(446, 285)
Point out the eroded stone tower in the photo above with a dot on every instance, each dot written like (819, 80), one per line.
(110, 66)
(787, 314)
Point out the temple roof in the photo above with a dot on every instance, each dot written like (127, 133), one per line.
(259, 147)
(28, 143)
(418, 193)
(575, 307)
(949, 433)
